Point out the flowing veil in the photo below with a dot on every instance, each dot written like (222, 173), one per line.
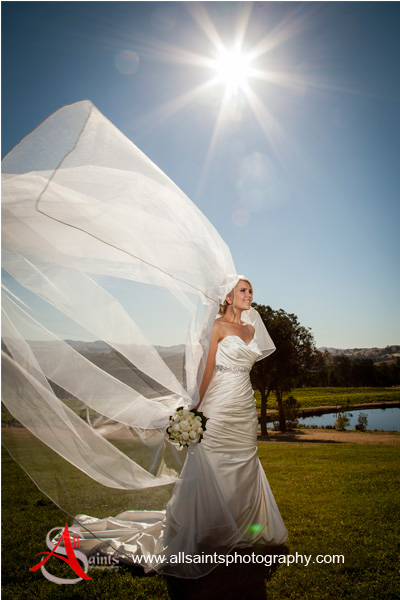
(112, 279)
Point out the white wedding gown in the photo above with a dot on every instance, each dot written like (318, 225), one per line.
(222, 499)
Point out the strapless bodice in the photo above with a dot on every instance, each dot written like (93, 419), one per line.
(230, 392)
(234, 355)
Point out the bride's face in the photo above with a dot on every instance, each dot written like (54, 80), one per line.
(243, 295)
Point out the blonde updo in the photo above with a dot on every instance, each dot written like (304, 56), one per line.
(224, 307)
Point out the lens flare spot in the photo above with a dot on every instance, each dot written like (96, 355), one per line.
(127, 62)
(240, 217)
(255, 528)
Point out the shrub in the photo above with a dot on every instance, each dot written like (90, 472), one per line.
(362, 422)
(342, 422)
(291, 408)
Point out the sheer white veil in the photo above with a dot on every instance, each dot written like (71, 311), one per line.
(112, 279)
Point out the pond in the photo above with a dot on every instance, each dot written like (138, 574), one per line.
(383, 419)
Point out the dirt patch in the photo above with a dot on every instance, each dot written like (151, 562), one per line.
(386, 438)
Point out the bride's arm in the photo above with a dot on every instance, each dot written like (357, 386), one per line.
(210, 364)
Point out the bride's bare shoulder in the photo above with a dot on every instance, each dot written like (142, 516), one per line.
(220, 327)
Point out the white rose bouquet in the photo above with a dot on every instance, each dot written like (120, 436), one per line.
(186, 427)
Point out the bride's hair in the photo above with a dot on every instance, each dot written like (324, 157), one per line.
(224, 307)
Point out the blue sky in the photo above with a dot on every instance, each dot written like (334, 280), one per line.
(298, 169)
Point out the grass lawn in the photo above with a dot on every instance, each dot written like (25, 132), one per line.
(333, 396)
(335, 499)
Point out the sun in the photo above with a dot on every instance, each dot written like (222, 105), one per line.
(234, 73)
(233, 68)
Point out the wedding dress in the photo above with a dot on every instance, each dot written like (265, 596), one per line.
(222, 499)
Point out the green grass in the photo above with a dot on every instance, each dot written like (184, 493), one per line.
(333, 396)
(337, 499)
(27, 516)
(334, 499)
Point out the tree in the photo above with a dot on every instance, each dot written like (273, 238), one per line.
(294, 356)
(318, 375)
(363, 372)
(291, 409)
(340, 371)
(342, 421)
(362, 422)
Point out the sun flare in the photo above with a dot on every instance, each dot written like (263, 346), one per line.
(233, 68)
(229, 70)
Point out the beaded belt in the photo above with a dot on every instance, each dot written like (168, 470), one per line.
(224, 369)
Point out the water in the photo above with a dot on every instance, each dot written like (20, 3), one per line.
(383, 419)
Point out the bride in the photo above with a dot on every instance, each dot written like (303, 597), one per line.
(96, 238)
(222, 499)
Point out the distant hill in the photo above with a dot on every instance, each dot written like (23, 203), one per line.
(98, 352)
(89, 347)
(107, 359)
(390, 354)
(102, 347)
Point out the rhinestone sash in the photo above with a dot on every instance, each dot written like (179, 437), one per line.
(225, 369)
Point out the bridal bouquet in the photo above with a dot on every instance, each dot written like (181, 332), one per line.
(186, 427)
